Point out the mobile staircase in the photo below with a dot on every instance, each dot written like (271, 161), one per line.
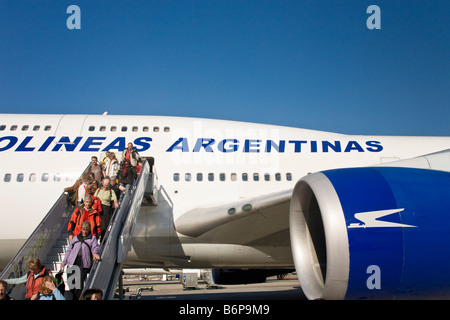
(49, 240)
(106, 272)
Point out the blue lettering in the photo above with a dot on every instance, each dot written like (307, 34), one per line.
(375, 146)
(233, 148)
(94, 144)
(142, 143)
(279, 147)
(313, 146)
(91, 142)
(118, 144)
(204, 143)
(297, 145)
(336, 146)
(184, 145)
(70, 146)
(46, 143)
(249, 144)
(11, 143)
(353, 145)
(23, 145)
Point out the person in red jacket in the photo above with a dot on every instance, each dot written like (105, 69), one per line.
(33, 278)
(82, 213)
(96, 202)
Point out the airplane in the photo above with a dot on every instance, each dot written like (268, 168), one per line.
(245, 198)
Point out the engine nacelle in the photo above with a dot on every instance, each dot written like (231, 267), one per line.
(372, 233)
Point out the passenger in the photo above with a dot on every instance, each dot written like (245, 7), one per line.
(85, 178)
(105, 160)
(4, 290)
(131, 154)
(33, 278)
(73, 191)
(95, 168)
(93, 181)
(127, 175)
(81, 252)
(96, 202)
(48, 290)
(81, 214)
(139, 167)
(108, 200)
(111, 167)
(92, 294)
(115, 188)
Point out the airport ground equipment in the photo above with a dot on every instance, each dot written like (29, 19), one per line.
(189, 280)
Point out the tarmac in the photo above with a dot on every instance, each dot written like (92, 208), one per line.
(156, 289)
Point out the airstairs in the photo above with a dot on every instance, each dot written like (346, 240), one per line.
(106, 272)
(49, 241)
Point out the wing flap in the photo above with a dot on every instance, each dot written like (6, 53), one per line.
(198, 221)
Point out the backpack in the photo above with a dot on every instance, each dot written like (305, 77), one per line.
(60, 282)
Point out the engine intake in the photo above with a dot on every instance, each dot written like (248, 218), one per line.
(372, 233)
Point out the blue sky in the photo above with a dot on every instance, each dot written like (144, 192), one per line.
(310, 64)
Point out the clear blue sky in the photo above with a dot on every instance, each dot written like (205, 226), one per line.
(311, 64)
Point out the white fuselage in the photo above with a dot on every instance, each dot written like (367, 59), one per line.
(199, 163)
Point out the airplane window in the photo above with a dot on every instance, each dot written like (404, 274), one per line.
(210, 176)
(44, 177)
(199, 176)
(176, 177)
(113, 128)
(289, 176)
(47, 128)
(2, 127)
(91, 128)
(155, 129)
(57, 177)
(187, 177)
(222, 177)
(278, 176)
(13, 128)
(267, 176)
(166, 129)
(7, 177)
(124, 129)
(32, 177)
(20, 177)
(244, 177)
(256, 177)
(36, 128)
(145, 129)
(25, 127)
(102, 128)
(233, 177)
(135, 129)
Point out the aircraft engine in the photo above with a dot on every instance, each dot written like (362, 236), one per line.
(372, 233)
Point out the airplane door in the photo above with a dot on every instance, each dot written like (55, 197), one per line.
(71, 125)
(69, 132)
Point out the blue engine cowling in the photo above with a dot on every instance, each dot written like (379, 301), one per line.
(372, 233)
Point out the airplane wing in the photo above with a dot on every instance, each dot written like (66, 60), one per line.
(247, 220)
